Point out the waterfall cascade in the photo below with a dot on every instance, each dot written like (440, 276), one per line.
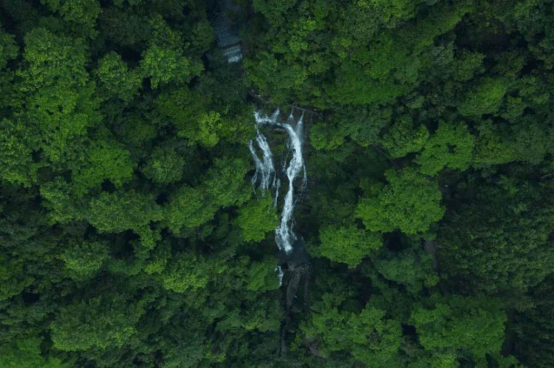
(265, 171)
(294, 266)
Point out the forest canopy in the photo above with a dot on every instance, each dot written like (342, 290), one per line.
(131, 234)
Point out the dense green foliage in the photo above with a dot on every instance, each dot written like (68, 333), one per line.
(130, 234)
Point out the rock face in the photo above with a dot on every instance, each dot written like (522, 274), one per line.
(228, 38)
(296, 258)
(297, 272)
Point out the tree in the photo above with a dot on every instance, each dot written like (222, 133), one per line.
(257, 217)
(162, 65)
(116, 78)
(485, 97)
(403, 138)
(85, 259)
(499, 243)
(471, 324)
(17, 164)
(60, 99)
(26, 352)
(187, 271)
(101, 160)
(533, 328)
(130, 234)
(118, 212)
(450, 146)
(411, 267)
(98, 322)
(164, 61)
(80, 14)
(188, 207)
(348, 244)
(409, 202)
(164, 165)
(368, 336)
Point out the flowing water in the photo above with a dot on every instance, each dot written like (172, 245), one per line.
(265, 171)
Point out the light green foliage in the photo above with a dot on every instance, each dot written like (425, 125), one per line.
(59, 95)
(44, 52)
(409, 202)
(158, 258)
(353, 85)
(450, 146)
(203, 35)
(375, 339)
(186, 271)
(99, 322)
(102, 160)
(209, 124)
(514, 108)
(403, 138)
(121, 211)
(225, 184)
(164, 165)
(257, 217)
(262, 276)
(485, 97)
(472, 324)
(188, 207)
(86, 258)
(162, 65)
(368, 336)
(164, 60)
(187, 111)
(116, 78)
(348, 244)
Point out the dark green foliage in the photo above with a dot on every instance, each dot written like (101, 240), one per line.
(130, 233)
(504, 247)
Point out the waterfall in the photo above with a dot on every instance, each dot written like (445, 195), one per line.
(284, 234)
(264, 167)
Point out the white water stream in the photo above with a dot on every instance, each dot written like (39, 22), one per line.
(265, 171)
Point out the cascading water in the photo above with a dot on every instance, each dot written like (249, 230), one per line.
(294, 264)
(284, 234)
(264, 167)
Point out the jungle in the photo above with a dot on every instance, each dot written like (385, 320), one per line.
(136, 231)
